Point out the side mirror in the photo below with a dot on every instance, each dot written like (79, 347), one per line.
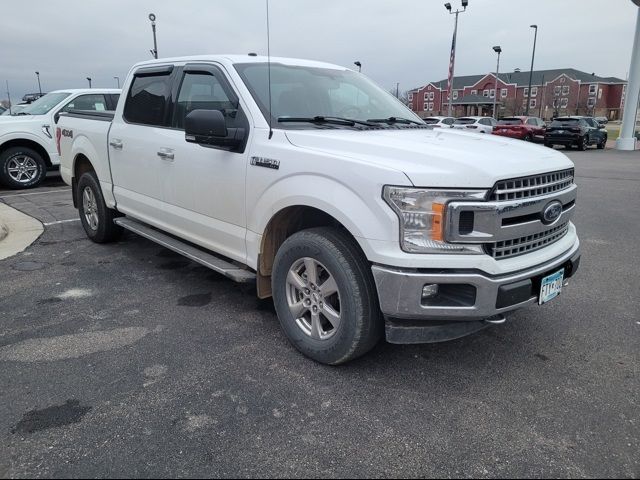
(208, 127)
(56, 117)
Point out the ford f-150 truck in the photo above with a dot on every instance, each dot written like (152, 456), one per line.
(308, 179)
(27, 146)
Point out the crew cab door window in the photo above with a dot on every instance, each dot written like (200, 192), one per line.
(92, 102)
(148, 100)
(205, 91)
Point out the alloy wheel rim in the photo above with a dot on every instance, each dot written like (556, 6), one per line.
(22, 168)
(313, 298)
(90, 208)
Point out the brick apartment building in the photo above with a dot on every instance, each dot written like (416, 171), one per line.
(553, 93)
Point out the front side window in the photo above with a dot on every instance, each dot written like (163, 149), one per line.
(307, 92)
(95, 103)
(148, 100)
(45, 104)
(204, 91)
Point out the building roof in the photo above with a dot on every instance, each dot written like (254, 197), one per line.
(522, 78)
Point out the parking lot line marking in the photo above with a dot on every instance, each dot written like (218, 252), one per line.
(61, 221)
(35, 193)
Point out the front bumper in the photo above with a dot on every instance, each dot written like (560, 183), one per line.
(464, 295)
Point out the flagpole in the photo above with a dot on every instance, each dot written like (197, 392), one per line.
(452, 66)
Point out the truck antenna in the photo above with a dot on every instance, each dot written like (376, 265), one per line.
(269, 72)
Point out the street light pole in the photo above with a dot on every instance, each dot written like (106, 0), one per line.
(89, 80)
(533, 56)
(452, 59)
(359, 65)
(117, 80)
(39, 86)
(498, 50)
(154, 52)
(398, 90)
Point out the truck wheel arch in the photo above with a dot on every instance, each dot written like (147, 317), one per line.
(281, 226)
(23, 142)
(81, 165)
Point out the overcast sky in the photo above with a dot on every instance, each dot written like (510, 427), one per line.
(404, 41)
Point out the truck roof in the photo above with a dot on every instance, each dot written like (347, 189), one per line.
(234, 59)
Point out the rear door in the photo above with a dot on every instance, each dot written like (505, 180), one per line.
(204, 187)
(137, 135)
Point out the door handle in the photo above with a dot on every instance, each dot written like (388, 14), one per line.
(166, 154)
(117, 144)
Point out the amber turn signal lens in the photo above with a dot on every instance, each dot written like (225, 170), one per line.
(437, 223)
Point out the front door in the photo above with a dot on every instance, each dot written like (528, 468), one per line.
(204, 187)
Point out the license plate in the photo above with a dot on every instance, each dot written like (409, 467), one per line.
(551, 286)
(560, 131)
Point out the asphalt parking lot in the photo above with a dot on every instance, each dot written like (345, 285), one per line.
(127, 360)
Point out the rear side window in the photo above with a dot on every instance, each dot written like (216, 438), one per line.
(533, 121)
(148, 100)
(92, 102)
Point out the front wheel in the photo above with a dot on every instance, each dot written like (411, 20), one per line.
(325, 296)
(602, 144)
(528, 138)
(22, 167)
(95, 216)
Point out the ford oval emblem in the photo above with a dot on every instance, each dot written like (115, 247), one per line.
(551, 212)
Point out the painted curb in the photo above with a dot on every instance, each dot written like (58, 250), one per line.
(20, 231)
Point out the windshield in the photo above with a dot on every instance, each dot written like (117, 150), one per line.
(510, 121)
(465, 121)
(45, 104)
(305, 92)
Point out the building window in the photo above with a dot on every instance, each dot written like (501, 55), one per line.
(557, 90)
(426, 107)
(455, 94)
(591, 102)
(564, 102)
(431, 106)
(563, 79)
(492, 93)
(526, 92)
(474, 92)
(565, 90)
(431, 95)
(410, 96)
(504, 92)
(593, 89)
(532, 103)
(426, 96)
(485, 93)
(534, 91)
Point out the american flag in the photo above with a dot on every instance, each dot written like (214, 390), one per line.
(452, 62)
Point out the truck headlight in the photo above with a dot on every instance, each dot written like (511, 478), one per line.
(422, 217)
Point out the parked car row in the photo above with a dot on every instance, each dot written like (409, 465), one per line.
(571, 131)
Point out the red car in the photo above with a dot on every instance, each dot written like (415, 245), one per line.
(529, 129)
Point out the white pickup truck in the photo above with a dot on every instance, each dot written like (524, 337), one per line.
(27, 146)
(356, 217)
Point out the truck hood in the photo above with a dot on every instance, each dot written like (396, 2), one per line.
(438, 157)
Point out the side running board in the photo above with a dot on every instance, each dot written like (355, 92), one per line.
(228, 269)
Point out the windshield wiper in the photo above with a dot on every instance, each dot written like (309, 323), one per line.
(349, 122)
(392, 120)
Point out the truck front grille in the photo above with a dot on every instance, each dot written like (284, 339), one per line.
(530, 243)
(533, 186)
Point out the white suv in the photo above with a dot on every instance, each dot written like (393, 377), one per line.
(27, 146)
(475, 124)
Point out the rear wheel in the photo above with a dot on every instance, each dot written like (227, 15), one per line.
(528, 138)
(583, 143)
(325, 296)
(22, 167)
(96, 217)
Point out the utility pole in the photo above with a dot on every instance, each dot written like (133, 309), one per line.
(533, 56)
(359, 65)
(154, 52)
(544, 94)
(89, 80)
(452, 59)
(398, 90)
(8, 96)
